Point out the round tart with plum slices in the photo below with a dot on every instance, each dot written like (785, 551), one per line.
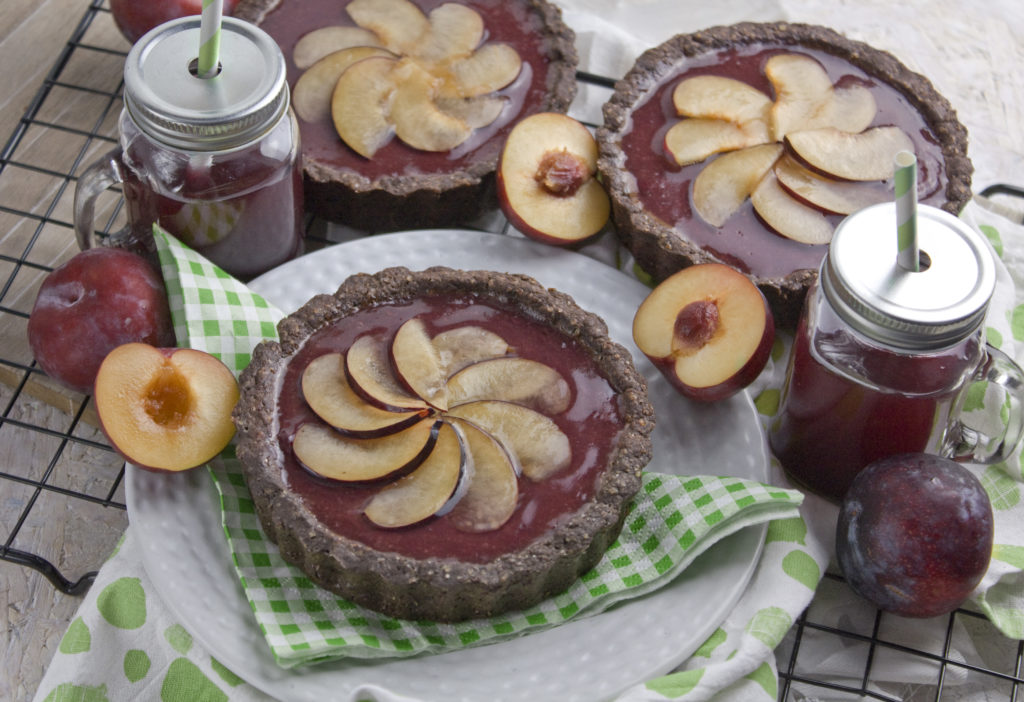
(443, 444)
(403, 105)
(747, 144)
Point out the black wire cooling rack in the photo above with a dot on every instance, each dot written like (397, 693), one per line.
(960, 657)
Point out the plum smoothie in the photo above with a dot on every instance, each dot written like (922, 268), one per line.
(830, 426)
(242, 209)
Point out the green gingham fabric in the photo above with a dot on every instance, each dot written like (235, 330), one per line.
(212, 310)
(671, 522)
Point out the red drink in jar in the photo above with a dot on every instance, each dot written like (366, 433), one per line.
(214, 161)
(883, 356)
(832, 425)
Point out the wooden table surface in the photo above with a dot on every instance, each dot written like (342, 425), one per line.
(974, 59)
(73, 534)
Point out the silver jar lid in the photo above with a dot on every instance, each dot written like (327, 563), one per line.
(175, 107)
(937, 306)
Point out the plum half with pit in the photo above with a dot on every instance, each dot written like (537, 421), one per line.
(915, 534)
(708, 329)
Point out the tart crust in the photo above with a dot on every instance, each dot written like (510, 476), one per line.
(396, 202)
(661, 249)
(435, 588)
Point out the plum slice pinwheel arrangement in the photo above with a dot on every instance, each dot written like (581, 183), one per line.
(810, 152)
(428, 79)
(445, 423)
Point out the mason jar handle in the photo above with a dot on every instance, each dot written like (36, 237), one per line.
(974, 444)
(107, 171)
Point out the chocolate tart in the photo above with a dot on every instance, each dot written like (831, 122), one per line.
(652, 196)
(401, 187)
(560, 526)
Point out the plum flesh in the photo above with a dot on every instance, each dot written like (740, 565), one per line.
(915, 534)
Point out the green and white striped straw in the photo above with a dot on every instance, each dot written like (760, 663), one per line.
(905, 180)
(209, 37)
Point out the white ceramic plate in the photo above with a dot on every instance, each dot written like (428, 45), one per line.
(186, 555)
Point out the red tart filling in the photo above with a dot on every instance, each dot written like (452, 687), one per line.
(585, 417)
(744, 240)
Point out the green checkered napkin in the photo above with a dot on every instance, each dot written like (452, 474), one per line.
(671, 522)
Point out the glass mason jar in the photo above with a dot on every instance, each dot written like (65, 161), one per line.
(214, 161)
(883, 355)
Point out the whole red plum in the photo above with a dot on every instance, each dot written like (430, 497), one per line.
(915, 534)
(136, 17)
(97, 300)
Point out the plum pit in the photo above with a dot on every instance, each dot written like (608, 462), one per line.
(168, 399)
(696, 324)
(561, 173)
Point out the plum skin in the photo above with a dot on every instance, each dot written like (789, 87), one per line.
(136, 17)
(97, 300)
(915, 534)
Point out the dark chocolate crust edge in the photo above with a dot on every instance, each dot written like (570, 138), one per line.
(393, 203)
(441, 589)
(658, 247)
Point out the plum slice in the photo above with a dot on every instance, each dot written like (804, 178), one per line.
(418, 363)
(359, 104)
(317, 44)
(853, 108)
(720, 98)
(418, 121)
(477, 111)
(784, 214)
(311, 96)
(513, 379)
(368, 365)
(399, 23)
(488, 69)
(535, 443)
(493, 490)
(326, 390)
(693, 140)
(867, 155)
(423, 492)
(803, 92)
(332, 455)
(461, 346)
(831, 196)
(724, 184)
(455, 31)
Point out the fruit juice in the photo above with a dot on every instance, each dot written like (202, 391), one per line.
(833, 421)
(241, 209)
